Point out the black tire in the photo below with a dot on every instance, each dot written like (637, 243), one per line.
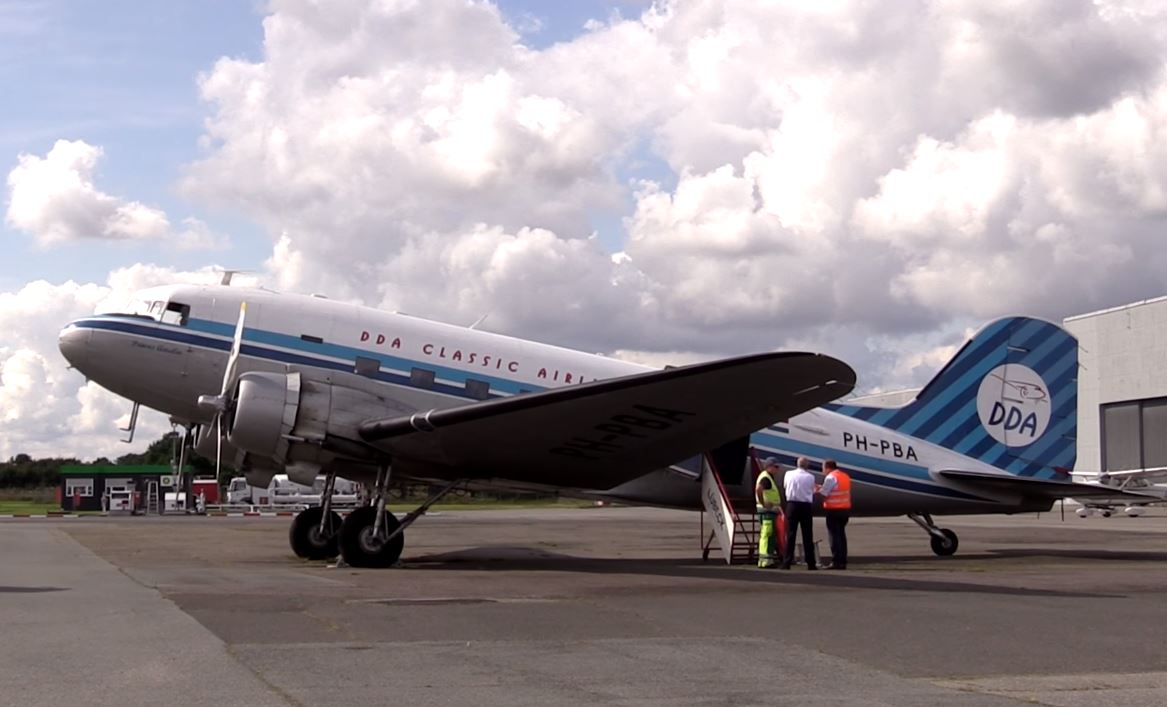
(357, 545)
(947, 545)
(306, 539)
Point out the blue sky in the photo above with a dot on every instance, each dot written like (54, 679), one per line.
(122, 75)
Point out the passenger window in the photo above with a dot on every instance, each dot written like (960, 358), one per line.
(366, 366)
(421, 378)
(479, 390)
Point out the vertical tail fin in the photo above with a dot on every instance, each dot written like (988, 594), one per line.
(1008, 398)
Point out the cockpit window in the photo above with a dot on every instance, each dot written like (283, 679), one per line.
(175, 313)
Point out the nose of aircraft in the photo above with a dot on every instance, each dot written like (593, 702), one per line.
(73, 341)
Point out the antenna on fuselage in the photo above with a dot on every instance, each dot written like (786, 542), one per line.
(478, 321)
(225, 280)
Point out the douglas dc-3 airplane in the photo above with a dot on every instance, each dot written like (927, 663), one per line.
(283, 383)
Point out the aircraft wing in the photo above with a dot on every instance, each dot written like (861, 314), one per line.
(1039, 488)
(601, 433)
(1150, 474)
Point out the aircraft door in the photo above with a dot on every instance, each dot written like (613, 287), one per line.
(731, 460)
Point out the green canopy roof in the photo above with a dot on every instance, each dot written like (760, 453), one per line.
(119, 470)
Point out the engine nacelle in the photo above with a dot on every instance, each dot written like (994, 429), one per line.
(264, 413)
(298, 423)
(259, 478)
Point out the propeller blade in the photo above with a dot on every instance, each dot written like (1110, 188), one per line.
(217, 404)
(236, 346)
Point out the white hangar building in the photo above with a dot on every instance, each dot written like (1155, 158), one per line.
(1122, 386)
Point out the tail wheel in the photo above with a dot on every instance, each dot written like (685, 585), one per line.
(358, 545)
(308, 541)
(946, 545)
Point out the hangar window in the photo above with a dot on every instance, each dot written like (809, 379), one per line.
(421, 378)
(1134, 434)
(366, 366)
(175, 313)
(75, 487)
(479, 390)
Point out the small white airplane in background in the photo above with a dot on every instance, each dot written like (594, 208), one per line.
(1149, 482)
(303, 385)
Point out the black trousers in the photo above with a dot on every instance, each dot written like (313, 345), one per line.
(837, 530)
(799, 514)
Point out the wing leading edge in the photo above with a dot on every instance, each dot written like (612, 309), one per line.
(599, 434)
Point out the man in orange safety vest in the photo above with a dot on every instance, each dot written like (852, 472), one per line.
(836, 493)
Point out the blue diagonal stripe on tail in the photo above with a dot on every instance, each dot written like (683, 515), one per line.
(1008, 398)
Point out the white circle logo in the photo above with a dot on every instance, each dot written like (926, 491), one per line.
(1014, 405)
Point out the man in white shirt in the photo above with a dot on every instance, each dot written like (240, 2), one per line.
(799, 484)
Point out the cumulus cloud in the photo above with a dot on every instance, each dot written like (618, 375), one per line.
(707, 178)
(804, 173)
(54, 199)
(47, 409)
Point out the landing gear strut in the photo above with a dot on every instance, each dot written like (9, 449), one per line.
(944, 541)
(314, 532)
(370, 537)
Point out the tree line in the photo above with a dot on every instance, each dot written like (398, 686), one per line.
(24, 472)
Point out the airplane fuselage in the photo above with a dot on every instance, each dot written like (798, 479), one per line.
(174, 347)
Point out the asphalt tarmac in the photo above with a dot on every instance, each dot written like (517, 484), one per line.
(607, 606)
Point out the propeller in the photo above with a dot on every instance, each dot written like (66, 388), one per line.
(218, 404)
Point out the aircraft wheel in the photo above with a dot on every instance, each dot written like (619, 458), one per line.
(306, 539)
(947, 545)
(358, 546)
(1105, 513)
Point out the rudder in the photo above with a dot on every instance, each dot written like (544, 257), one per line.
(1008, 398)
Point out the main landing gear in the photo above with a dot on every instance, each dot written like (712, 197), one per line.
(369, 537)
(944, 541)
(315, 531)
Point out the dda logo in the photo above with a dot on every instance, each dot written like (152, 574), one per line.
(1014, 405)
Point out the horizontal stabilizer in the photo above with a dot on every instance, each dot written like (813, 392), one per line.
(599, 434)
(1040, 488)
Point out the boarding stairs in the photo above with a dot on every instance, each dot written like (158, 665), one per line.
(736, 533)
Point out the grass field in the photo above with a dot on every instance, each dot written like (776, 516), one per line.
(31, 501)
(29, 507)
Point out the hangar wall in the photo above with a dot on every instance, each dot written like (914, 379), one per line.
(1122, 386)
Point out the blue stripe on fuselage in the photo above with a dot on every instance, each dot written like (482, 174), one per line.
(898, 475)
(892, 474)
(307, 353)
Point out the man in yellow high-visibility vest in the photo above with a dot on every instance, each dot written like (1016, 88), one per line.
(769, 507)
(836, 493)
